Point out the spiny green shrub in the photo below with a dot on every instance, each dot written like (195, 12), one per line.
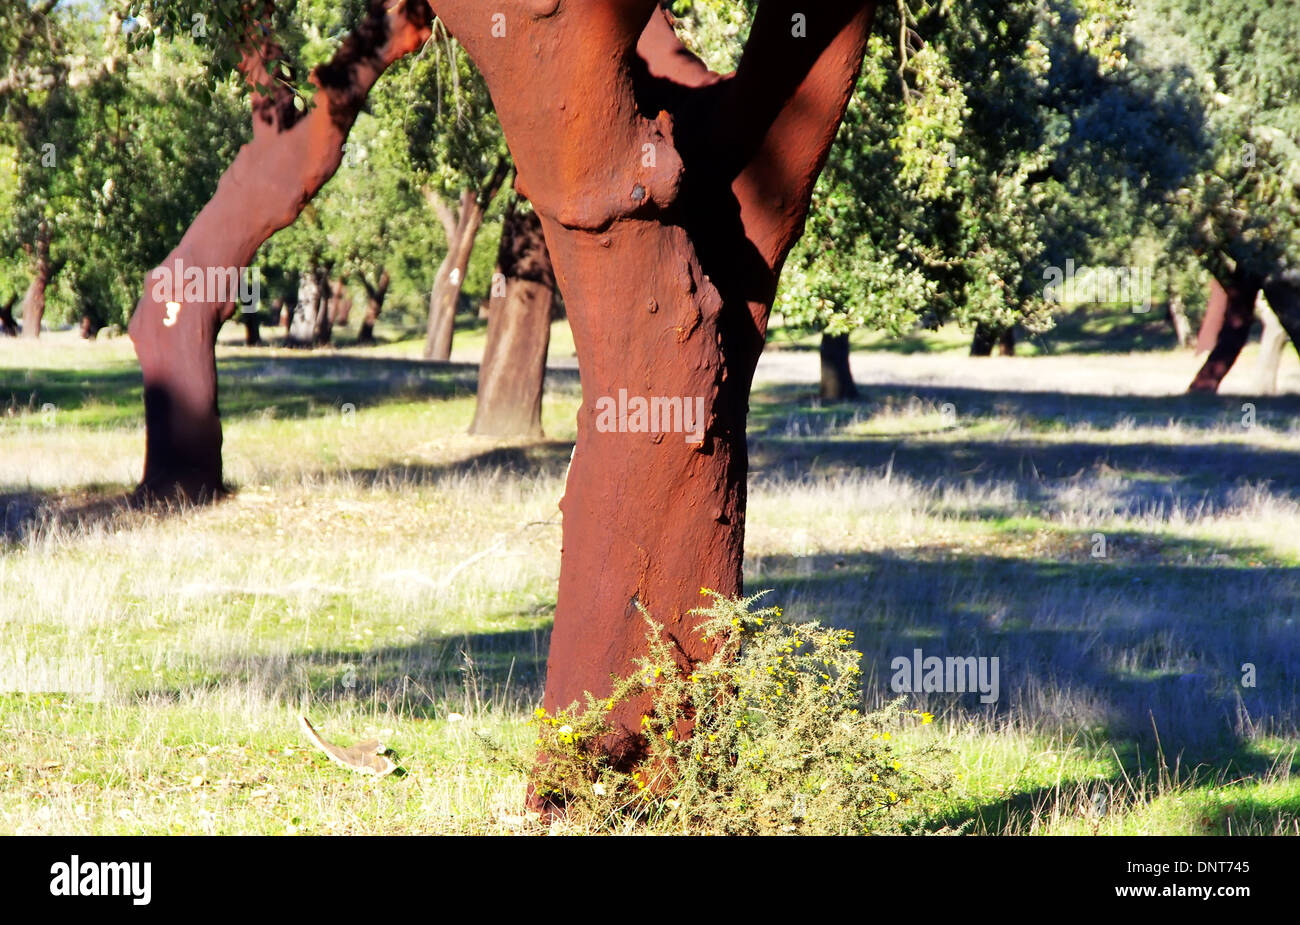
(767, 736)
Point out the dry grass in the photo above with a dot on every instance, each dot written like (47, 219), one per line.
(396, 578)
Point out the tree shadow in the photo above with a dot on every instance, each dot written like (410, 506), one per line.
(24, 514)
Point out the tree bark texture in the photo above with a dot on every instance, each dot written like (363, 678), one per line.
(513, 372)
(670, 197)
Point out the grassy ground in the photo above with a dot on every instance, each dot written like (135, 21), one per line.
(395, 578)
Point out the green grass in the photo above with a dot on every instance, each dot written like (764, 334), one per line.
(395, 578)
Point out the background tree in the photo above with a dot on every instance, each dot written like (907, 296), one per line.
(457, 151)
(512, 373)
(1240, 210)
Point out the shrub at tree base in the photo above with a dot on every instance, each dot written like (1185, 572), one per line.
(767, 736)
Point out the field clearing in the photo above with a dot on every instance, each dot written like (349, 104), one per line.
(394, 577)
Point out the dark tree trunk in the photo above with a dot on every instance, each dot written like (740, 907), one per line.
(42, 273)
(513, 372)
(1226, 328)
(89, 327)
(988, 336)
(8, 326)
(1283, 294)
(252, 322)
(837, 375)
(290, 157)
(375, 296)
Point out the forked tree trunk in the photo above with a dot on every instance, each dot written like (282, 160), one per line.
(513, 372)
(375, 296)
(837, 375)
(291, 156)
(1226, 328)
(42, 273)
(461, 223)
(988, 336)
(670, 198)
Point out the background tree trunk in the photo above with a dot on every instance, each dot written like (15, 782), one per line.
(988, 336)
(8, 326)
(42, 273)
(1226, 328)
(290, 157)
(513, 372)
(309, 324)
(252, 322)
(1176, 315)
(375, 296)
(837, 375)
(1272, 341)
(1283, 294)
(340, 303)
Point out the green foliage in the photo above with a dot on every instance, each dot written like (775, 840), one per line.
(1238, 65)
(765, 737)
(114, 152)
(931, 207)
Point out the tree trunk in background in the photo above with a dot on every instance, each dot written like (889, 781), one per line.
(837, 374)
(42, 273)
(8, 326)
(340, 303)
(1226, 328)
(669, 197)
(252, 322)
(461, 223)
(988, 336)
(1176, 315)
(1283, 294)
(290, 157)
(1272, 341)
(513, 372)
(375, 296)
(309, 325)
(88, 327)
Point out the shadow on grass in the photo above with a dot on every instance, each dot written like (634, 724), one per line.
(285, 384)
(426, 679)
(540, 459)
(25, 513)
(786, 410)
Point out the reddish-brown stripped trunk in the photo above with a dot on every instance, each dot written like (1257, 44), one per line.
(42, 273)
(264, 189)
(513, 372)
(670, 198)
(1226, 328)
(461, 223)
